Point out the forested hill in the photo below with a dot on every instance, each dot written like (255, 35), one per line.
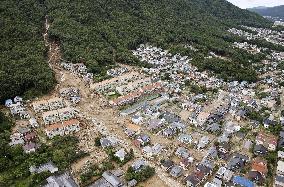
(101, 32)
(23, 66)
(277, 11)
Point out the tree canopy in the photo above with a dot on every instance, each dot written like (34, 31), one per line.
(23, 66)
(102, 32)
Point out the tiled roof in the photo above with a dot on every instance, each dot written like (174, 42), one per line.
(62, 124)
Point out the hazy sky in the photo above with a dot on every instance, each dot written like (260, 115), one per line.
(254, 3)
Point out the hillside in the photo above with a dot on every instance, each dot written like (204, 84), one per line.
(101, 32)
(23, 66)
(277, 11)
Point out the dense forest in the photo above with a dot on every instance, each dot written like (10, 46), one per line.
(23, 67)
(277, 11)
(102, 32)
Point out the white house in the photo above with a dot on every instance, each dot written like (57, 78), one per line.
(40, 106)
(280, 168)
(62, 128)
(50, 117)
(55, 103)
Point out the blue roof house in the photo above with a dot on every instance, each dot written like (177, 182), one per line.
(8, 102)
(238, 180)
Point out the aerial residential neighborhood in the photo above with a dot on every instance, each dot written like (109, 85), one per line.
(179, 115)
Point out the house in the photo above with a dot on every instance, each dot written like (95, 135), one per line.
(30, 136)
(268, 122)
(203, 142)
(241, 156)
(236, 162)
(182, 152)
(177, 126)
(117, 172)
(170, 117)
(204, 169)
(152, 151)
(255, 176)
(185, 162)
(214, 183)
(185, 138)
(167, 164)
(238, 180)
(101, 182)
(33, 122)
(138, 164)
(260, 150)
(24, 114)
(279, 180)
(71, 93)
(281, 142)
(259, 165)
(224, 147)
(18, 109)
(62, 128)
(23, 130)
(112, 179)
(213, 127)
(280, 168)
(40, 106)
(176, 171)
(133, 86)
(18, 99)
(280, 154)
(207, 162)
(120, 154)
(231, 127)
(30, 147)
(126, 99)
(137, 119)
(192, 181)
(247, 144)
(224, 138)
(55, 103)
(108, 142)
(132, 183)
(16, 139)
(49, 166)
(168, 132)
(66, 113)
(63, 180)
(136, 129)
(143, 139)
(212, 153)
(267, 140)
(199, 176)
(8, 103)
(241, 114)
(154, 124)
(50, 117)
(202, 117)
(129, 132)
(224, 174)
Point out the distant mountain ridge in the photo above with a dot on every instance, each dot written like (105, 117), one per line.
(259, 7)
(277, 11)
